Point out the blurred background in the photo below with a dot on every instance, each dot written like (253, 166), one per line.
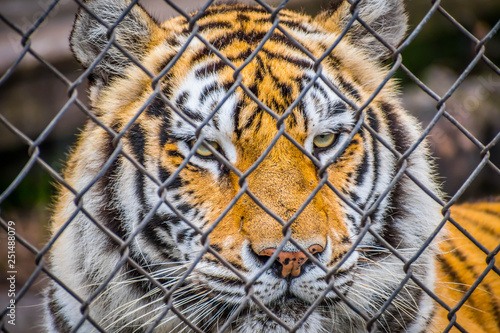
(33, 95)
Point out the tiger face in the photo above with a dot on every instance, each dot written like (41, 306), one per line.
(246, 169)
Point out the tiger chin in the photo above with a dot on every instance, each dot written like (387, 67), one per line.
(201, 149)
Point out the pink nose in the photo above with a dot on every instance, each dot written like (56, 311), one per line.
(291, 261)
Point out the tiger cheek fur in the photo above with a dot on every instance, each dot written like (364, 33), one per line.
(169, 192)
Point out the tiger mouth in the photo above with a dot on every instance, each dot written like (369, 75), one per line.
(289, 307)
(292, 289)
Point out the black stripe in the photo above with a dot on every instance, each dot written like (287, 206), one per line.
(181, 236)
(333, 61)
(182, 99)
(185, 207)
(202, 54)
(181, 104)
(216, 247)
(215, 118)
(191, 114)
(491, 212)
(167, 88)
(259, 74)
(139, 188)
(258, 121)
(354, 222)
(137, 139)
(240, 17)
(226, 9)
(139, 284)
(251, 118)
(317, 88)
(349, 88)
(164, 222)
(177, 183)
(286, 91)
(254, 37)
(173, 40)
(165, 128)
(302, 111)
(174, 153)
(280, 38)
(156, 108)
(164, 248)
(109, 214)
(301, 26)
(397, 198)
(236, 118)
(362, 169)
(395, 212)
(165, 62)
(215, 25)
(398, 131)
(489, 230)
(395, 320)
(354, 197)
(336, 109)
(375, 125)
(463, 259)
(210, 69)
(454, 275)
(186, 235)
(429, 321)
(208, 90)
(164, 174)
(495, 303)
(55, 310)
(192, 234)
(292, 119)
(302, 63)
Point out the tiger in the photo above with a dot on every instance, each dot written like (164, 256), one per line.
(250, 169)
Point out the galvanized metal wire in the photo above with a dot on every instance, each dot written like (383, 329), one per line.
(34, 147)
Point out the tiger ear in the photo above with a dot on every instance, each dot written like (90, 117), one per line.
(133, 33)
(386, 17)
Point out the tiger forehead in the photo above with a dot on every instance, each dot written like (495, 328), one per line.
(275, 76)
(202, 98)
(236, 31)
(241, 17)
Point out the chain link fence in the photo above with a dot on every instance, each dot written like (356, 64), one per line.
(13, 229)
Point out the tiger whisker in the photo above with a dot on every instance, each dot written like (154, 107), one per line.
(158, 309)
(125, 307)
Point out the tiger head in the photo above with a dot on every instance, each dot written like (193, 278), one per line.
(251, 161)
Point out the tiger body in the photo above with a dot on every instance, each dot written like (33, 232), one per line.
(461, 262)
(168, 194)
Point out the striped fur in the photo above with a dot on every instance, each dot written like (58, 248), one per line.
(461, 263)
(122, 193)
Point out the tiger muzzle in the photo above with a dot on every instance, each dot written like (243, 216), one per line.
(291, 262)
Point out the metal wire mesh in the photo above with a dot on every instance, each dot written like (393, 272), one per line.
(35, 158)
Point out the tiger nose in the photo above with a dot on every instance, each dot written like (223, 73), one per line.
(291, 261)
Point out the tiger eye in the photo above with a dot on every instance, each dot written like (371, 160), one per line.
(204, 151)
(323, 140)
